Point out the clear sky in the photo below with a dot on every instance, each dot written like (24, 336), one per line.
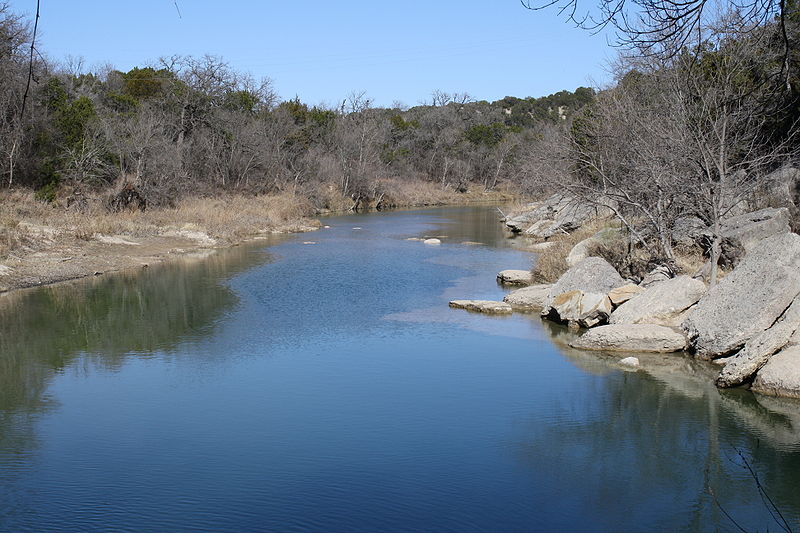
(321, 51)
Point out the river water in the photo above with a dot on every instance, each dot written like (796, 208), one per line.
(328, 387)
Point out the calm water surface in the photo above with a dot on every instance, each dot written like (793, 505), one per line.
(328, 387)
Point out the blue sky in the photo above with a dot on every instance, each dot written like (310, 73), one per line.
(321, 51)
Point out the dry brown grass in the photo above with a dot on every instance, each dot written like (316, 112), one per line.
(29, 224)
(552, 262)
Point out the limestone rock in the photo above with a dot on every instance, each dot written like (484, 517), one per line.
(592, 275)
(557, 215)
(531, 298)
(660, 303)
(757, 351)
(541, 246)
(782, 188)
(631, 338)
(632, 362)
(483, 306)
(620, 295)
(748, 300)
(657, 275)
(688, 230)
(780, 376)
(580, 308)
(750, 229)
(514, 277)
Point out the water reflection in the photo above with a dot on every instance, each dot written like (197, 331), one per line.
(105, 320)
(638, 431)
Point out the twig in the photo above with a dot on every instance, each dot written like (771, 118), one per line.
(30, 62)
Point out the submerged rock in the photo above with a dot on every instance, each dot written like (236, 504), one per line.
(631, 338)
(483, 306)
(632, 362)
(531, 298)
(748, 300)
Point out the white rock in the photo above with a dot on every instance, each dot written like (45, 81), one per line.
(780, 376)
(584, 309)
(431, 241)
(482, 306)
(631, 338)
(630, 361)
(531, 298)
(514, 277)
(748, 300)
(661, 303)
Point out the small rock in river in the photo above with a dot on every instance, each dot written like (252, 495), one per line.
(629, 362)
(431, 241)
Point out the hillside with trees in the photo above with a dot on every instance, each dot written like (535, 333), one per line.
(186, 126)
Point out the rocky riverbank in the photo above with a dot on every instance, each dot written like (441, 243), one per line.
(748, 323)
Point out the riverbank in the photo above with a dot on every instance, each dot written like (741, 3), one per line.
(748, 323)
(42, 243)
(45, 243)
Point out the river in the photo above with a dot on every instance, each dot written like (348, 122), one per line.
(320, 382)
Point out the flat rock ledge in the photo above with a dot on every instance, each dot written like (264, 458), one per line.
(514, 277)
(631, 338)
(532, 298)
(483, 306)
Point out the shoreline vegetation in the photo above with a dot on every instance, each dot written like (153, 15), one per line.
(44, 243)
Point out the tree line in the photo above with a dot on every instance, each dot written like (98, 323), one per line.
(195, 126)
(689, 129)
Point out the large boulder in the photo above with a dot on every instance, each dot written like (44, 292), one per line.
(483, 306)
(531, 298)
(748, 300)
(557, 215)
(657, 275)
(688, 230)
(535, 212)
(592, 275)
(757, 351)
(580, 308)
(782, 188)
(780, 376)
(750, 229)
(620, 295)
(661, 303)
(631, 338)
(582, 250)
(514, 277)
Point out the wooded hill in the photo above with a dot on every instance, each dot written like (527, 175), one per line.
(194, 126)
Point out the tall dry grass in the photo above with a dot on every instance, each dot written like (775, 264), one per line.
(552, 262)
(29, 224)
